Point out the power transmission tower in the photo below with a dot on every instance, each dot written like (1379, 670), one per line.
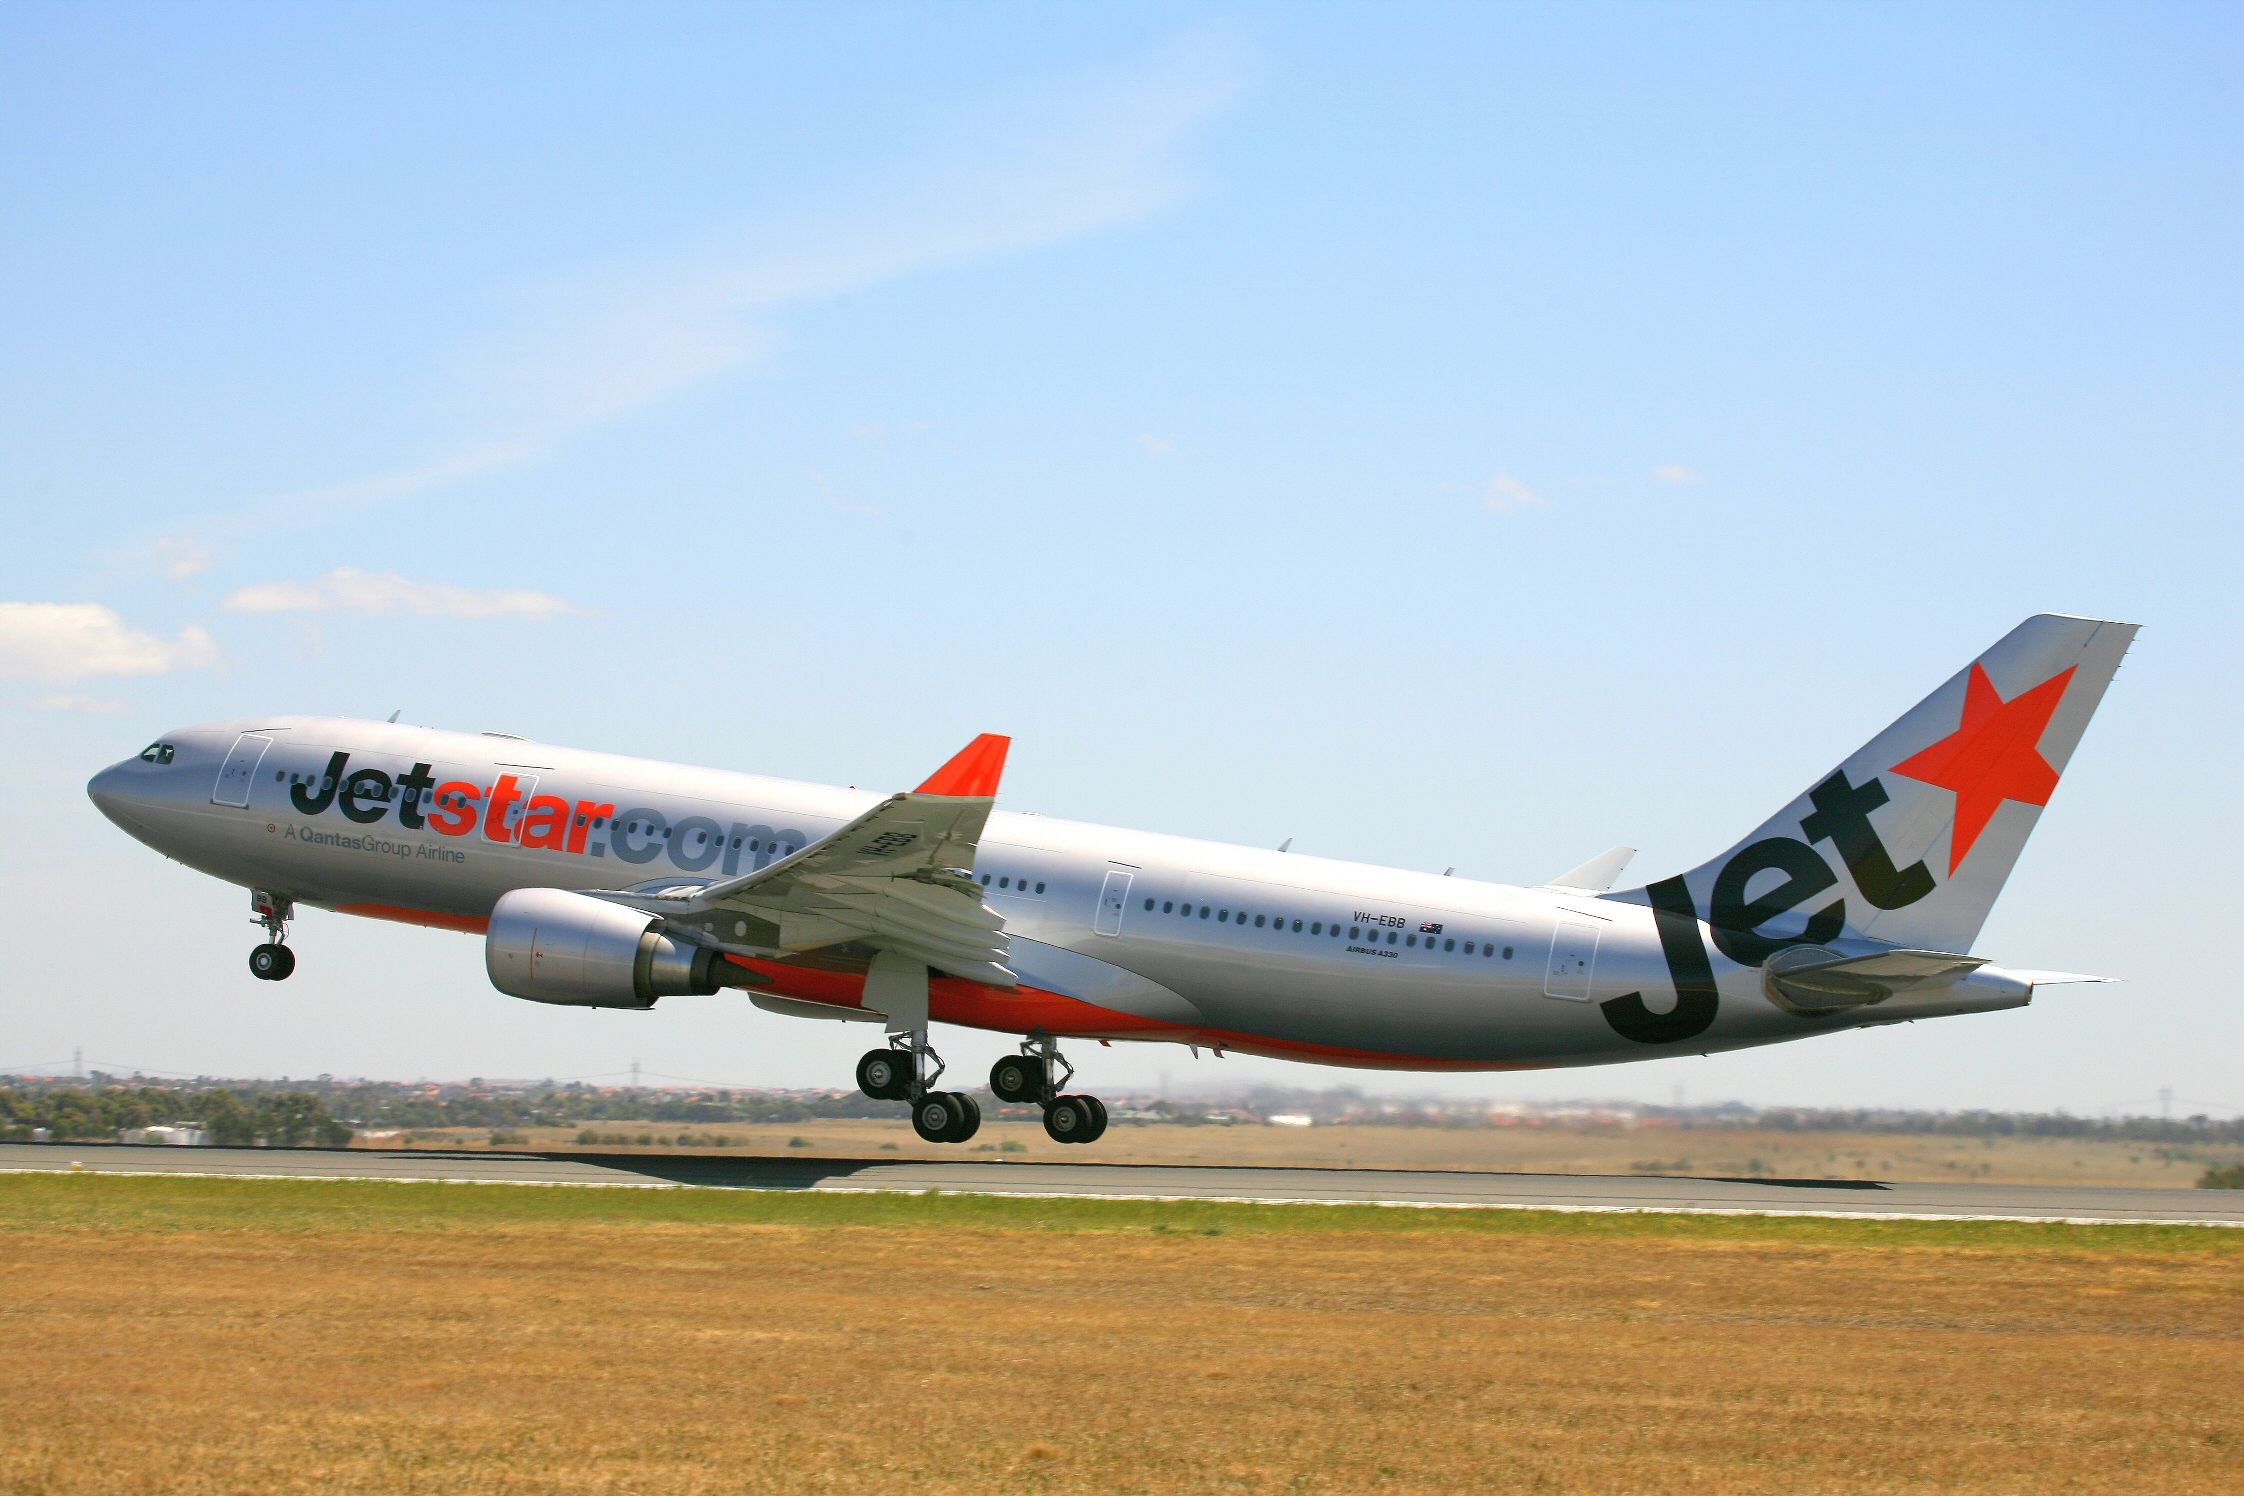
(634, 1075)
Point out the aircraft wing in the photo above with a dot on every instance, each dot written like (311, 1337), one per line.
(898, 878)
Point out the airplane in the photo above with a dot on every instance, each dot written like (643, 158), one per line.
(602, 881)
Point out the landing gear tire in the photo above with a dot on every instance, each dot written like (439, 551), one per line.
(1098, 1117)
(271, 962)
(1069, 1120)
(970, 1118)
(885, 1074)
(939, 1116)
(1016, 1078)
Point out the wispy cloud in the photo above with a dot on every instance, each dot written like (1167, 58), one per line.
(1156, 447)
(81, 641)
(876, 433)
(1021, 173)
(182, 557)
(350, 590)
(1505, 494)
(106, 706)
(1675, 472)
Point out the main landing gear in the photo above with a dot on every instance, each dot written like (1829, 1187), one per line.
(1039, 1074)
(272, 961)
(907, 1071)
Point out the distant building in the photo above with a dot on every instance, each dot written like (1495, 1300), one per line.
(1288, 1119)
(184, 1135)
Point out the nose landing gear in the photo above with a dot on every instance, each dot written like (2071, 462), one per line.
(272, 961)
(1039, 1073)
(901, 1073)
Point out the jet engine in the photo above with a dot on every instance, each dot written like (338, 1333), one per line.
(553, 946)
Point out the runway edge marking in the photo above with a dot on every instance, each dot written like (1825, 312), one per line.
(991, 1194)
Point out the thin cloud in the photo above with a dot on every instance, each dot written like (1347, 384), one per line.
(1089, 154)
(875, 433)
(81, 641)
(1675, 472)
(350, 590)
(1156, 447)
(182, 556)
(1505, 494)
(107, 706)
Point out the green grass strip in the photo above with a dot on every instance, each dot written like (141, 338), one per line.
(154, 1203)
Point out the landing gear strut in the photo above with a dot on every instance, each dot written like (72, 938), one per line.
(907, 1070)
(1039, 1073)
(272, 961)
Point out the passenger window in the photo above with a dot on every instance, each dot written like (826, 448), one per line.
(1258, 921)
(1149, 906)
(1040, 889)
(1449, 945)
(1468, 947)
(1507, 953)
(1391, 938)
(1355, 932)
(1318, 928)
(1005, 883)
(1223, 916)
(1413, 940)
(1168, 906)
(1203, 911)
(985, 880)
(1297, 927)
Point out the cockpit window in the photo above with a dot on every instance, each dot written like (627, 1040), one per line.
(157, 753)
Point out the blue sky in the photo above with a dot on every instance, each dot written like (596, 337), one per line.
(1438, 434)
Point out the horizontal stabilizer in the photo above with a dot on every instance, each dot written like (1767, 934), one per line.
(1596, 875)
(2057, 978)
(1811, 979)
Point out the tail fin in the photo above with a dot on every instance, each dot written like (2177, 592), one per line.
(1910, 839)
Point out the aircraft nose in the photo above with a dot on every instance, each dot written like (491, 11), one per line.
(107, 791)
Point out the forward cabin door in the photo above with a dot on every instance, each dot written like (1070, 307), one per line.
(240, 770)
(1114, 898)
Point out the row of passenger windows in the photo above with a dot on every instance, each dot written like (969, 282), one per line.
(1485, 949)
(1019, 885)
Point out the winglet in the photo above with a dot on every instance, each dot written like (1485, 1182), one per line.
(975, 771)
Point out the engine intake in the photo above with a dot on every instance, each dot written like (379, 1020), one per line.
(552, 946)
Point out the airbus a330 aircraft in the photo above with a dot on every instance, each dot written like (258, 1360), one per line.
(599, 881)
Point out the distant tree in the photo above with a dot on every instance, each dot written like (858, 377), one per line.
(2229, 1177)
(297, 1119)
(231, 1125)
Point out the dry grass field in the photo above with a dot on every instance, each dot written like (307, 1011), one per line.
(168, 1335)
(1734, 1151)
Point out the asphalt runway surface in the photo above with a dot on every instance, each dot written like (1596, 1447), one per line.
(1576, 1192)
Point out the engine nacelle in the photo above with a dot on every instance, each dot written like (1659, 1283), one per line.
(553, 946)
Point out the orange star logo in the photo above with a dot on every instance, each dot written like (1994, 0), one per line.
(1993, 755)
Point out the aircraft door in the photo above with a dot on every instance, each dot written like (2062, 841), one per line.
(240, 769)
(1114, 897)
(1573, 957)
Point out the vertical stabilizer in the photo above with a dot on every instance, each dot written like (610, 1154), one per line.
(1910, 839)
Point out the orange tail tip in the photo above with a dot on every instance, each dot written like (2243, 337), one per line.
(975, 771)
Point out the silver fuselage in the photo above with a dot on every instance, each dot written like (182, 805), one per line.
(1281, 954)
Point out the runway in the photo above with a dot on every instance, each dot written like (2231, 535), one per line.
(1091, 1180)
